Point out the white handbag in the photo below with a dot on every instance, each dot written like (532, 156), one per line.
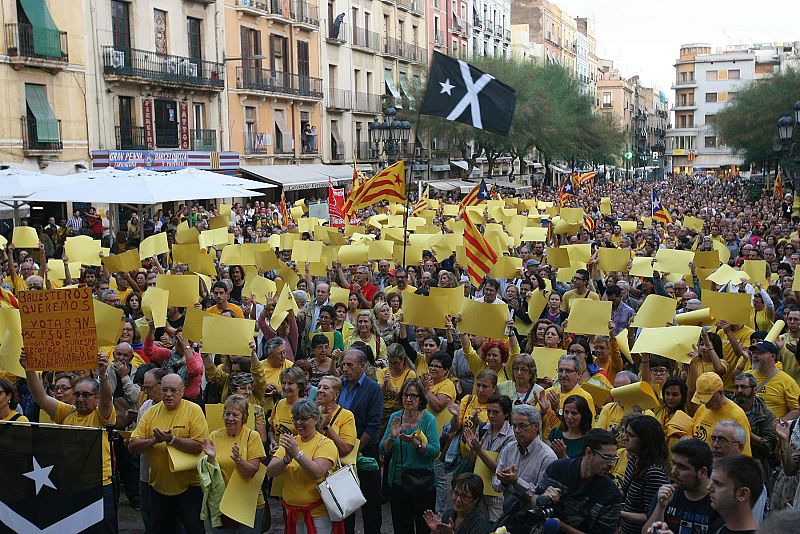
(341, 493)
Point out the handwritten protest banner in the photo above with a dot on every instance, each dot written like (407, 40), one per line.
(58, 329)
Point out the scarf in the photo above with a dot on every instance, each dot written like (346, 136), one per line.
(290, 527)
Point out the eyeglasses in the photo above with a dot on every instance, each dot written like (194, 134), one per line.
(433, 366)
(606, 457)
(658, 370)
(62, 388)
(520, 426)
(720, 440)
(462, 496)
(410, 396)
(84, 394)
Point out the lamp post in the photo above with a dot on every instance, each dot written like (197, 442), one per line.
(787, 147)
(391, 132)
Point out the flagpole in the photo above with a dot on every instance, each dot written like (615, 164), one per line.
(408, 188)
(52, 425)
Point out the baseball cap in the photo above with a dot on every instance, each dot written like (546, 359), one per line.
(532, 263)
(764, 346)
(707, 385)
(392, 272)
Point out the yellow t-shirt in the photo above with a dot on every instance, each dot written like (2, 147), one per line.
(573, 295)
(124, 294)
(21, 418)
(272, 375)
(446, 386)
(344, 424)
(577, 390)
(618, 473)
(299, 489)
(790, 364)
(705, 420)
(391, 399)
(395, 381)
(187, 421)
(237, 311)
(393, 289)
(780, 394)
(611, 415)
(67, 414)
(470, 405)
(743, 337)
(250, 448)
(280, 420)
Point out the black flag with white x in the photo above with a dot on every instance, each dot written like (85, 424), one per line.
(459, 92)
(52, 479)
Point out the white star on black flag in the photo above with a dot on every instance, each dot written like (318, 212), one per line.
(459, 92)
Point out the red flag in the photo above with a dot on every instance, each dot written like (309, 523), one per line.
(335, 206)
(284, 211)
(481, 256)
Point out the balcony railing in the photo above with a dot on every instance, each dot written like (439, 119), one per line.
(31, 142)
(46, 45)
(366, 151)
(338, 98)
(335, 34)
(163, 69)
(167, 138)
(392, 47)
(130, 138)
(256, 79)
(204, 140)
(489, 27)
(366, 102)
(438, 39)
(507, 35)
(305, 13)
(365, 39)
(405, 5)
(412, 52)
(256, 143)
(267, 8)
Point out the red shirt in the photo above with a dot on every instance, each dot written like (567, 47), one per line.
(368, 291)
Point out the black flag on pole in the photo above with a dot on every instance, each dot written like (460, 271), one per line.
(52, 479)
(459, 92)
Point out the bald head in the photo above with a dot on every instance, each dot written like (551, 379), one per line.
(123, 352)
(172, 391)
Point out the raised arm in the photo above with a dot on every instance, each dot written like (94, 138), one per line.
(40, 396)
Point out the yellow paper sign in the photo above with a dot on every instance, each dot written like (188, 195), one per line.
(193, 324)
(479, 318)
(537, 302)
(226, 335)
(184, 290)
(588, 316)
(639, 394)
(353, 254)
(380, 250)
(241, 494)
(547, 361)
(628, 227)
(701, 317)
(757, 270)
(775, 331)
(613, 259)
(219, 222)
(83, 249)
(266, 260)
(693, 223)
(261, 287)
(642, 266)
(339, 295)
(282, 307)
(203, 263)
(727, 274)
(655, 311)
(209, 238)
(181, 461)
(605, 205)
(154, 305)
(153, 246)
(25, 237)
(673, 342)
(622, 345)
(453, 296)
(11, 339)
(55, 269)
(706, 259)
(123, 263)
(736, 308)
(420, 310)
(599, 395)
(581, 253)
(533, 233)
(185, 234)
(506, 267)
(673, 261)
(307, 251)
(108, 323)
(558, 257)
(483, 471)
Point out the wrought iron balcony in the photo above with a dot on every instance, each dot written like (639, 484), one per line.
(32, 146)
(26, 45)
(305, 14)
(256, 143)
(338, 99)
(130, 138)
(363, 38)
(269, 81)
(366, 102)
(203, 140)
(271, 9)
(335, 35)
(144, 66)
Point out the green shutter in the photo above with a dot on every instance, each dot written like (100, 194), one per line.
(46, 122)
(46, 35)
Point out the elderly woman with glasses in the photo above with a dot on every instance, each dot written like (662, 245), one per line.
(281, 421)
(64, 387)
(464, 517)
(522, 389)
(236, 448)
(411, 441)
(304, 461)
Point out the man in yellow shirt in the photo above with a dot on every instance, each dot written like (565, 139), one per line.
(401, 280)
(734, 338)
(168, 431)
(221, 296)
(580, 289)
(788, 343)
(94, 407)
(715, 407)
(778, 390)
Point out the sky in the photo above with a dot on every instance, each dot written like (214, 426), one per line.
(644, 36)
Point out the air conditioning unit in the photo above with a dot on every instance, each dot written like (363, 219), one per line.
(117, 59)
(172, 65)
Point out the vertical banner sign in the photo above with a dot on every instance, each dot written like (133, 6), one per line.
(183, 112)
(58, 329)
(147, 116)
(336, 207)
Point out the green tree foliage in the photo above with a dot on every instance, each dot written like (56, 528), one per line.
(749, 123)
(552, 115)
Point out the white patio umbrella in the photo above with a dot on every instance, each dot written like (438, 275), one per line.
(16, 185)
(226, 179)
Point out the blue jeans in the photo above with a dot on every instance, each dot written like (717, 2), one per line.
(109, 509)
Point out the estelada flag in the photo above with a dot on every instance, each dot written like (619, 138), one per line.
(478, 194)
(389, 184)
(658, 210)
(567, 190)
(52, 479)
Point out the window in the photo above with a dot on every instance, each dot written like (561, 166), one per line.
(711, 97)
(42, 123)
(734, 74)
(121, 24)
(166, 118)
(198, 113)
(607, 99)
(160, 31)
(127, 138)
(195, 43)
(711, 76)
(722, 97)
(710, 141)
(710, 119)
(278, 60)
(250, 46)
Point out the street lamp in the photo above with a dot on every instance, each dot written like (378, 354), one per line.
(787, 147)
(391, 132)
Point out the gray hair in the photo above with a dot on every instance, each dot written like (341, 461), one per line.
(300, 297)
(488, 373)
(272, 344)
(739, 433)
(751, 380)
(306, 408)
(630, 375)
(107, 293)
(532, 414)
(359, 354)
(35, 279)
(574, 359)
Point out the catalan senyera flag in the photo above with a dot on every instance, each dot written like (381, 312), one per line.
(567, 190)
(389, 184)
(778, 190)
(422, 203)
(587, 179)
(284, 211)
(356, 180)
(658, 210)
(7, 299)
(478, 194)
(480, 255)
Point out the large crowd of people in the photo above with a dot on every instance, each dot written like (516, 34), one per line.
(451, 431)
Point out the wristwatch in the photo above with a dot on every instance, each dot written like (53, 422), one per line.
(299, 455)
(172, 440)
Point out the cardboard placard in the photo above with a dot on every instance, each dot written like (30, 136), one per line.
(58, 329)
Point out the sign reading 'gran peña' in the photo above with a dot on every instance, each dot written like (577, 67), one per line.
(58, 329)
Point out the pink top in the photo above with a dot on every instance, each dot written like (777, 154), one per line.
(290, 339)
(194, 366)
